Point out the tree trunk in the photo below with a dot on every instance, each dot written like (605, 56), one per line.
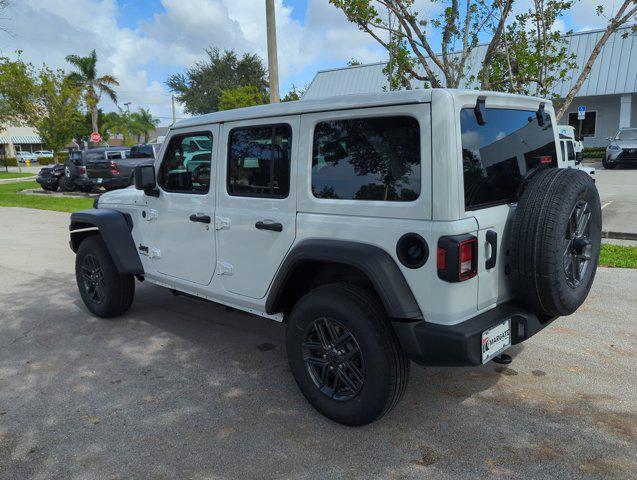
(94, 115)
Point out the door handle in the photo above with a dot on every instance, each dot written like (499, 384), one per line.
(492, 239)
(200, 218)
(275, 227)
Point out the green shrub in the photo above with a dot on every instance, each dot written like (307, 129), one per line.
(594, 152)
(45, 161)
(8, 162)
(63, 157)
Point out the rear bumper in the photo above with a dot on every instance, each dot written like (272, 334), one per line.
(460, 345)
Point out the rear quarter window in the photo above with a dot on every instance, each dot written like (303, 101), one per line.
(497, 155)
(367, 159)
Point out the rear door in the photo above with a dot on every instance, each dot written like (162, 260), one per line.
(496, 156)
(256, 202)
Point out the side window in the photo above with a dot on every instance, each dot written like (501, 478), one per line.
(187, 164)
(367, 159)
(259, 161)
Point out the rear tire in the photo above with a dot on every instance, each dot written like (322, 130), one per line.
(555, 241)
(355, 371)
(66, 184)
(105, 292)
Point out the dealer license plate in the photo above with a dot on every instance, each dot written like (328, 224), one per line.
(495, 340)
(99, 181)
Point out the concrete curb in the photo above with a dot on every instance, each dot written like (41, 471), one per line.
(19, 179)
(620, 235)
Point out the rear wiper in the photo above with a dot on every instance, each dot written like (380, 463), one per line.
(480, 110)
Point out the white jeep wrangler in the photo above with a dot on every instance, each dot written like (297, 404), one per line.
(426, 225)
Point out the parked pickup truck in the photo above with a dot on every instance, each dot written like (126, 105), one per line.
(114, 167)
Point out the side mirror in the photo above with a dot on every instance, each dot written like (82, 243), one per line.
(145, 178)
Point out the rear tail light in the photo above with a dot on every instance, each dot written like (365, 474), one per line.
(546, 159)
(457, 258)
(82, 170)
(468, 251)
(114, 168)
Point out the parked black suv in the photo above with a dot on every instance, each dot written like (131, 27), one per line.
(114, 167)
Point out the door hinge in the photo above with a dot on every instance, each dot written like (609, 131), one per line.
(150, 214)
(222, 223)
(224, 268)
(150, 252)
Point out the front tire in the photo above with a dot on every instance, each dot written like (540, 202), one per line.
(608, 165)
(344, 354)
(105, 292)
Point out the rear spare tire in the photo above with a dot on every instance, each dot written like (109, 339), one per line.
(555, 241)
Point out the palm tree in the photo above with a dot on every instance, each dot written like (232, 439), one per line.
(122, 124)
(145, 121)
(93, 86)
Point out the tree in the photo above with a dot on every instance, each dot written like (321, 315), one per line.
(626, 11)
(144, 121)
(407, 34)
(122, 123)
(200, 87)
(238, 97)
(17, 91)
(533, 56)
(294, 94)
(93, 86)
(56, 113)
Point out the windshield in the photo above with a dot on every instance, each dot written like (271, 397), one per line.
(630, 134)
(498, 154)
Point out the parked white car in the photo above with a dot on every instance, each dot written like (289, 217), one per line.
(23, 156)
(571, 150)
(43, 153)
(424, 225)
(622, 148)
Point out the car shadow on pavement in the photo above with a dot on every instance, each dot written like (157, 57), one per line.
(179, 388)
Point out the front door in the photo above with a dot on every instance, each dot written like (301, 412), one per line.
(256, 202)
(180, 221)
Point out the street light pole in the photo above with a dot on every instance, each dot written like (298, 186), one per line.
(127, 104)
(273, 64)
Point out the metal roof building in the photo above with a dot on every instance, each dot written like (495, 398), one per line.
(608, 93)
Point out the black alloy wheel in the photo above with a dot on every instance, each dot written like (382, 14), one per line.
(93, 277)
(578, 250)
(333, 359)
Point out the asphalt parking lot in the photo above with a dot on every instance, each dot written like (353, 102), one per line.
(182, 389)
(618, 193)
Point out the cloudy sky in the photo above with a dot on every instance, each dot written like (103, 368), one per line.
(142, 42)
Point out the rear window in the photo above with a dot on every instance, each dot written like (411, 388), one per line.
(496, 155)
(141, 151)
(76, 158)
(367, 159)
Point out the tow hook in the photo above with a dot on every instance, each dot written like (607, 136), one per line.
(503, 359)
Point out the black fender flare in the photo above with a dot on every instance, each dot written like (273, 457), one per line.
(115, 229)
(378, 265)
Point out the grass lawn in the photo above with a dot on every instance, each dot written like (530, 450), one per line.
(4, 175)
(618, 256)
(9, 197)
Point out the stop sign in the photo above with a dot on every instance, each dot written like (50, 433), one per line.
(96, 137)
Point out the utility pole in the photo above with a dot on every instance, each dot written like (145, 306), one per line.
(172, 99)
(127, 105)
(273, 64)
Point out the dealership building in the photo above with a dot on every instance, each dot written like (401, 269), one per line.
(609, 94)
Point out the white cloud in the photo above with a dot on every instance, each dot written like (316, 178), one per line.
(48, 30)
